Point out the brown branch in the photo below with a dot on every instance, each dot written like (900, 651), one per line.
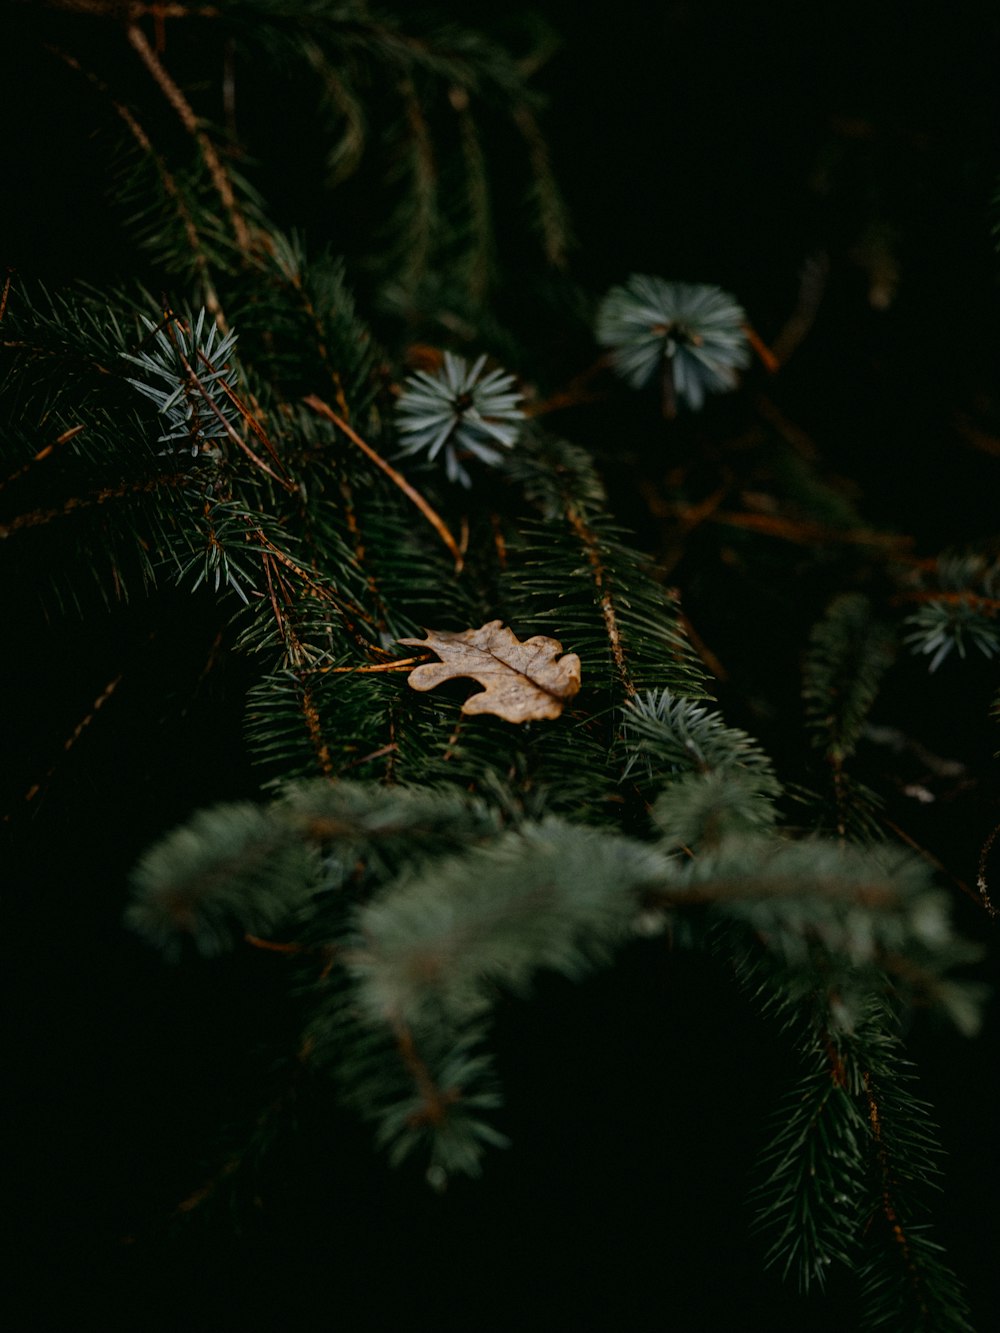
(806, 532)
(593, 552)
(381, 753)
(433, 518)
(36, 517)
(231, 432)
(873, 895)
(220, 178)
(888, 1205)
(715, 667)
(812, 285)
(576, 391)
(166, 179)
(315, 730)
(357, 537)
(37, 788)
(273, 946)
(318, 591)
(256, 428)
(42, 454)
(345, 609)
(838, 1070)
(424, 185)
(930, 858)
(403, 664)
(989, 605)
(6, 292)
(767, 357)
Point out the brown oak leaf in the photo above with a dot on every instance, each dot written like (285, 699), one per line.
(523, 681)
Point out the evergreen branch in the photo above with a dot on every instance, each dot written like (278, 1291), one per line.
(166, 178)
(552, 210)
(815, 1170)
(419, 233)
(600, 576)
(235, 869)
(843, 1159)
(848, 654)
(38, 517)
(547, 896)
(242, 235)
(349, 613)
(435, 1101)
(906, 1281)
(478, 193)
(683, 735)
(315, 729)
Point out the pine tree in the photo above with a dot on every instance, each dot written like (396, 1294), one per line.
(348, 466)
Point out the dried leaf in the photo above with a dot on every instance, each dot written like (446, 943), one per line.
(523, 681)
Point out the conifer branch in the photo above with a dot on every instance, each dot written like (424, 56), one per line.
(242, 235)
(38, 517)
(600, 576)
(166, 177)
(474, 858)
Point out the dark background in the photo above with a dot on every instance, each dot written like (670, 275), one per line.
(718, 142)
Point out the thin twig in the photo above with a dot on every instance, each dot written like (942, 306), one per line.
(42, 454)
(37, 788)
(381, 753)
(6, 292)
(715, 667)
(767, 357)
(231, 432)
(433, 518)
(989, 605)
(804, 532)
(575, 393)
(404, 664)
(765, 884)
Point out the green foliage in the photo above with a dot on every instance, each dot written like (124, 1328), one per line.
(848, 654)
(848, 1177)
(689, 331)
(415, 864)
(234, 869)
(459, 410)
(963, 613)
